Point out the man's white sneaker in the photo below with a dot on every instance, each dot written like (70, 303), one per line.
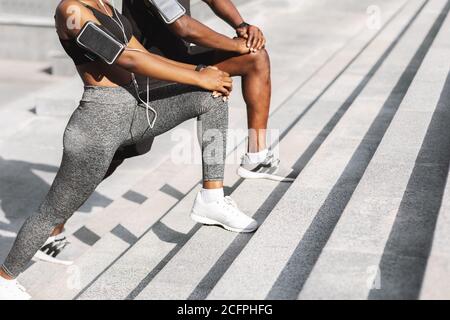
(269, 169)
(12, 290)
(224, 213)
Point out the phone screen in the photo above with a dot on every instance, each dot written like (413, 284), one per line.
(100, 43)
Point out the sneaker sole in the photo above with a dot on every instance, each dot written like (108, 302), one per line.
(247, 174)
(211, 222)
(43, 257)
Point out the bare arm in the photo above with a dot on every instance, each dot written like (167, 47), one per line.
(157, 67)
(226, 10)
(135, 44)
(196, 32)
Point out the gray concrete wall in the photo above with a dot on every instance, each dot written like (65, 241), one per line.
(27, 31)
(28, 7)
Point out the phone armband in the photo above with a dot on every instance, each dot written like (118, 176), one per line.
(169, 10)
(98, 41)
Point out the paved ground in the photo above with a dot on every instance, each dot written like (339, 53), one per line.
(361, 104)
(13, 86)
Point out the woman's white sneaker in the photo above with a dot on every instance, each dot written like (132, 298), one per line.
(224, 213)
(12, 290)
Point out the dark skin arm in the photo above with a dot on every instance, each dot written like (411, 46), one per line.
(195, 32)
(226, 10)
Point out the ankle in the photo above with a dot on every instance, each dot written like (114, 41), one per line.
(4, 275)
(257, 157)
(58, 230)
(212, 195)
(257, 140)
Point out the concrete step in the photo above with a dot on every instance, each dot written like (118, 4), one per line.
(199, 281)
(61, 101)
(148, 261)
(380, 246)
(385, 234)
(61, 64)
(287, 246)
(193, 272)
(438, 264)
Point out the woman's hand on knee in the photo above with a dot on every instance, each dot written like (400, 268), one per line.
(217, 81)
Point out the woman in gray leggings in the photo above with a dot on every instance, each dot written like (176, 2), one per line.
(110, 116)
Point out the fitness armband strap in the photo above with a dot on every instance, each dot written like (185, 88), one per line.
(99, 42)
(169, 10)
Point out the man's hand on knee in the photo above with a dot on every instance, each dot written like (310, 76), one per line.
(241, 46)
(253, 35)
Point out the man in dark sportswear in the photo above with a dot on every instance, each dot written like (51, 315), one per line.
(243, 56)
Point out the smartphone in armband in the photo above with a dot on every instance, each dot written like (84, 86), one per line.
(100, 42)
(170, 10)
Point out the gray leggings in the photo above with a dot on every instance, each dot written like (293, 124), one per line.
(109, 118)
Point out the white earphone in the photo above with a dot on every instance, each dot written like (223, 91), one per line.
(148, 108)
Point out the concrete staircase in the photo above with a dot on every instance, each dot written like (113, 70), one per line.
(363, 125)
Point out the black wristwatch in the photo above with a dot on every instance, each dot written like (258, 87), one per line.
(243, 25)
(200, 67)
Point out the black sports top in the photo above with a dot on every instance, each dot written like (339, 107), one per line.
(80, 55)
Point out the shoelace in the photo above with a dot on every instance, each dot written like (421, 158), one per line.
(230, 201)
(231, 206)
(271, 160)
(60, 244)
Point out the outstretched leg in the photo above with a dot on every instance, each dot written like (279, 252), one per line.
(89, 146)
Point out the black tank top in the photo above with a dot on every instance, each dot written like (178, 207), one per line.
(80, 55)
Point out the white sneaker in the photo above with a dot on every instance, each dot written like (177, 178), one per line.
(224, 213)
(269, 169)
(12, 290)
(50, 251)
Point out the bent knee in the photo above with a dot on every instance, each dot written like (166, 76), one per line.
(260, 60)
